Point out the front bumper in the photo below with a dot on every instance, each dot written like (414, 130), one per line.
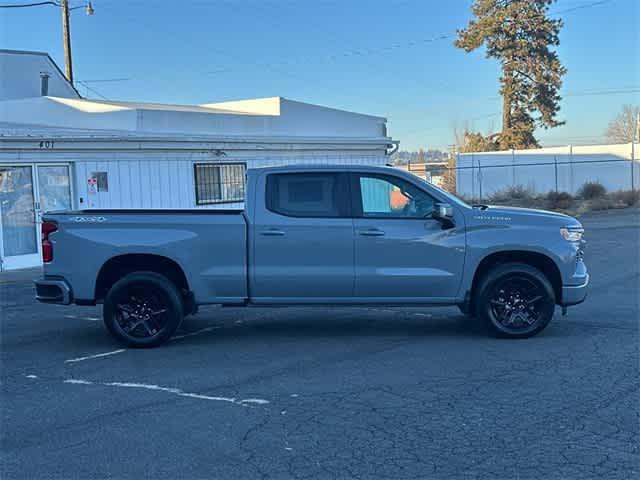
(53, 290)
(574, 294)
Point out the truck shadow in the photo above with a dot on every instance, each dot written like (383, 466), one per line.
(322, 323)
(220, 326)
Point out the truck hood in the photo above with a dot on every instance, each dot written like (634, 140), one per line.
(499, 214)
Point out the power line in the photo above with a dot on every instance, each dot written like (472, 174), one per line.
(105, 80)
(380, 50)
(587, 93)
(24, 5)
(581, 7)
(603, 92)
(38, 4)
(91, 89)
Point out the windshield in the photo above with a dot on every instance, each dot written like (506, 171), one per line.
(450, 196)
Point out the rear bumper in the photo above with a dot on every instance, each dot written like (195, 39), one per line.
(53, 290)
(574, 294)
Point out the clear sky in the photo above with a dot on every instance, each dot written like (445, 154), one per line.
(371, 56)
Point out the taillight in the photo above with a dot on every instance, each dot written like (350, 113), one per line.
(48, 227)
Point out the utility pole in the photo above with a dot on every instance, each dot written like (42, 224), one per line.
(66, 33)
(66, 40)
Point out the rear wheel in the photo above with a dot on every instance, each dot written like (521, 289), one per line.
(515, 300)
(143, 309)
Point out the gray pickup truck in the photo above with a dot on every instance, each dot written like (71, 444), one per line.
(316, 235)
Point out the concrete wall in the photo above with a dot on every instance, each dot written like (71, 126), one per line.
(564, 169)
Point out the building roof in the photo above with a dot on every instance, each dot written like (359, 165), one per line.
(264, 117)
(10, 132)
(63, 110)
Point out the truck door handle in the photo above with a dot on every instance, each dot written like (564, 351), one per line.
(371, 232)
(272, 232)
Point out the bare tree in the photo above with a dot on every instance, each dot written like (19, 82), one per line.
(625, 127)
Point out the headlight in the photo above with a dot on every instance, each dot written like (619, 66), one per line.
(572, 234)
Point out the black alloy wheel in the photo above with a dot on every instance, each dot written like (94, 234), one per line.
(143, 309)
(516, 300)
(143, 313)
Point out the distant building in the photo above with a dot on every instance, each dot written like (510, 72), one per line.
(60, 151)
(551, 169)
(432, 172)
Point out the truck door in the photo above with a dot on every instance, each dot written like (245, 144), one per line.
(303, 239)
(402, 254)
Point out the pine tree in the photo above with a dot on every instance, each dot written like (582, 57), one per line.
(520, 34)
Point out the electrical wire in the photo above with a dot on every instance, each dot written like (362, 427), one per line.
(581, 7)
(91, 89)
(24, 5)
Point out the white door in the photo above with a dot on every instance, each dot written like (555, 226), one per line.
(21, 202)
(53, 188)
(20, 247)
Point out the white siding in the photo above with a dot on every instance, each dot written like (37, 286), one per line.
(166, 180)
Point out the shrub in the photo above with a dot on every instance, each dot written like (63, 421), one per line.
(559, 200)
(626, 198)
(511, 194)
(601, 203)
(592, 190)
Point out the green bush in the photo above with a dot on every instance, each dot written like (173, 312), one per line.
(592, 191)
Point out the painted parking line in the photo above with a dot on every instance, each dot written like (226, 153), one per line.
(97, 355)
(115, 352)
(174, 391)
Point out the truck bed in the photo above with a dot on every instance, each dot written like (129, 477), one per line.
(149, 211)
(209, 246)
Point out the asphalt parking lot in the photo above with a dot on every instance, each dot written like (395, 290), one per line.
(319, 393)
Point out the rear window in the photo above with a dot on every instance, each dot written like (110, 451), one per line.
(307, 194)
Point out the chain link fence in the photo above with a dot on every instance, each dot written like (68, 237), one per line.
(481, 175)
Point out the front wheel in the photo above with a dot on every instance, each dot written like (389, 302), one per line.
(143, 309)
(515, 300)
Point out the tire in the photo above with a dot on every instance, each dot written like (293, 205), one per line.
(143, 310)
(515, 300)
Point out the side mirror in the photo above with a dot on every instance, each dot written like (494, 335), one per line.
(443, 211)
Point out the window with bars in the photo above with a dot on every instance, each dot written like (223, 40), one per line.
(219, 182)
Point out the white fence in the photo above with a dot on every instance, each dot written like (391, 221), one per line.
(561, 169)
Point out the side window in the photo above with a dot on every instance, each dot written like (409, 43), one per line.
(217, 182)
(389, 197)
(307, 194)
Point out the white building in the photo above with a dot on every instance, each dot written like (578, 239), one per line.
(65, 152)
(541, 170)
(22, 75)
